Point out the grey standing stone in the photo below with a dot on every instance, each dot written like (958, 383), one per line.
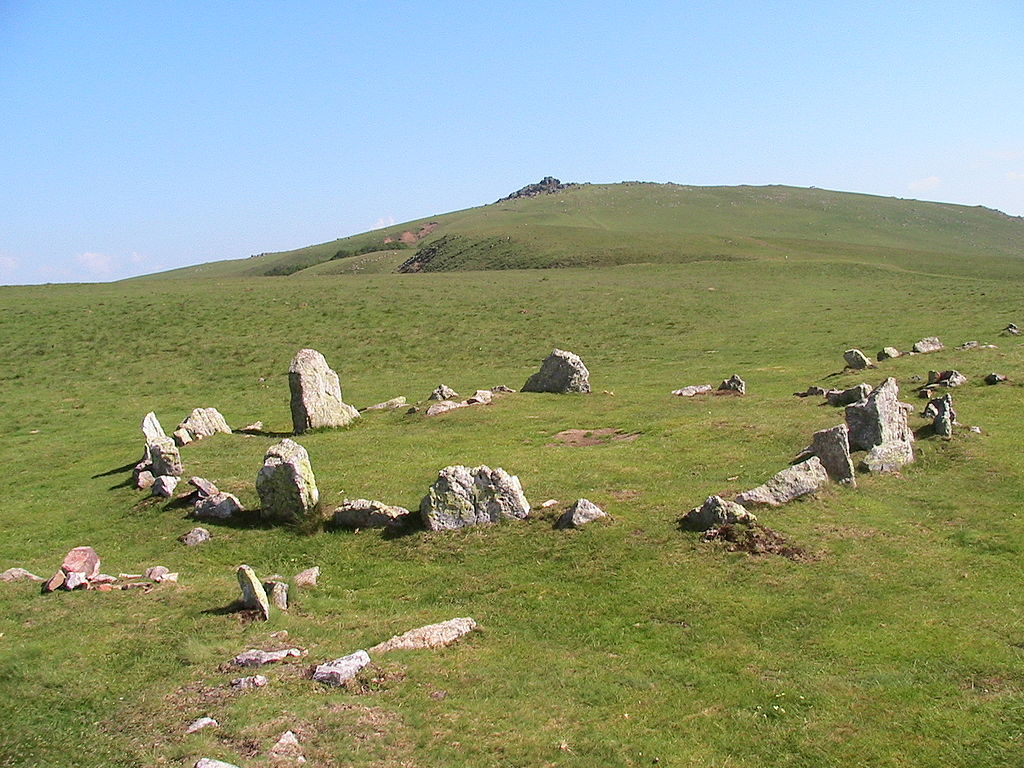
(791, 483)
(340, 671)
(203, 422)
(164, 486)
(716, 511)
(929, 344)
(462, 496)
(219, 506)
(166, 460)
(847, 396)
(582, 512)
(562, 372)
(856, 359)
(277, 592)
(940, 410)
(878, 419)
(733, 384)
(367, 513)
(316, 394)
(254, 596)
(832, 446)
(195, 537)
(286, 484)
(443, 392)
(887, 353)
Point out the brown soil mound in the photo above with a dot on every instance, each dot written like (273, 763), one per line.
(756, 539)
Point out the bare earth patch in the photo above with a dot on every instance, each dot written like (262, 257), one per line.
(579, 438)
(757, 539)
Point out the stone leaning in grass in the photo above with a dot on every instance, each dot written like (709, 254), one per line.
(856, 359)
(791, 483)
(286, 484)
(462, 496)
(254, 596)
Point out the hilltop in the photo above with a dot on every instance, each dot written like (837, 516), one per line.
(551, 224)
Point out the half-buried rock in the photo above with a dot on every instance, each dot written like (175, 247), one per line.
(316, 394)
(462, 496)
(582, 512)
(202, 422)
(286, 484)
(716, 511)
(791, 483)
(562, 372)
(366, 513)
(340, 671)
(856, 359)
(430, 636)
(219, 506)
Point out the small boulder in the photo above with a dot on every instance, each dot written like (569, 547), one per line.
(832, 447)
(791, 483)
(430, 636)
(254, 597)
(164, 486)
(219, 506)
(443, 392)
(209, 762)
(856, 359)
(848, 396)
(143, 478)
(995, 378)
(733, 384)
(443, 407)
(80, 565)
(947, 378)
(692, 390)
(287, 749)
(316, 394)
(202, 722)
(582, 512)
(388, 405)
(890, 456)
(308, 577)
(203, 486)
(164, 456)
(247, 683)
(480, 397)
(940, 410)
(888, 353)
(202, 422)
(366, 513)
(277, 593)
(561, 372)
(340, 671)
(462, 496)
(1011, 330)
(716, 511)
(19, 574)
(195, 537)
(286, 484)
(929, 344)
(181, 437)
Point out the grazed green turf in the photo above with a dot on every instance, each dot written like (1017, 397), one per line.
(617, 645)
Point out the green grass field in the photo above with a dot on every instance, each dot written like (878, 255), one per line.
(626, 643)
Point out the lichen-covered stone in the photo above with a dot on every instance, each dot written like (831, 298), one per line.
(562, 372)
(888, 457)
(367, 513)
(165, 458)
(832, 447)
(316, 394)
(219, 506)
(286, 484)
(254, 596)
(791, 483)
(582, 512)
(462, 496)
(716, 511)
(202, 422)
(879, 418)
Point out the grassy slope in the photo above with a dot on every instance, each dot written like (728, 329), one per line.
(597, 225)
(611, 646)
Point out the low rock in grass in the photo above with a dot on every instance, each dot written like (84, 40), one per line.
(219, 506)
(142, 477)
(561, 372)
(164, 486)
(480, 397)
(200, 723)
(811, 391)
(791, 483)
(195, 537)
(19, 574)
(340, 671)
(832, 447)
(388, 405)
(716, 511)
(367, 513)
(308, 577)
(995, 378)
(254, 596)
(887, 353)
(160, 573)
(443, 392)
(692, 390)
(733, 384)
(254, 657)
(928, 344)
(287, 749)
(430, 636)
(443, 407)
(202, 422)
(462, 496)
(848, 396)
(209, 762)
(890, 456)
(950, 378)
(856, 359)
(80, 565)
(501, 389)
(286, 484)
(248, 683)
(1011, 330)
(582, 512)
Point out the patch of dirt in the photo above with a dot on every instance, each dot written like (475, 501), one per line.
(757, 539)
(625, 494)
(409, 237)
(374, 679)
(586, 437)
(846, 532)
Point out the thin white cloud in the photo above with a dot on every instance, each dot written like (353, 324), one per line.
(924, 185)
(96, 264)
(1015, 175)
(8, 268)
(385, 221)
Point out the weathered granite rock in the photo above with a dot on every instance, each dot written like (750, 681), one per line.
(716, 511)
(254, 657)
(164, 486)
(887, 353)
(166, 460)
(832, 447)
(501, 389)
(848, 396)
(143, 478)
(929, 344)
(80, 565)
(462, 496)
(480, 397)
(388, 405)
(200, 723)
(246, 683)
(181, 437)
(287, 749)
(940, 410)
(151, 428)
(19, 574)
(879, 418)
(443, 407)
(340, 671)
(443, 392)
(430, 636)
(856, 359)
(202, 422)
(561, 372)
(366, 513)
(733, 384)
(209, 762)
(286, 484)
(692, 390)
(160, 573)
(308, 577)
(995, 378)
(219, 506)
(277, 593)
(951, 378)
(203, 486)
(791, 483)
(254, 596)
(316, 394)
(582, 512)
(195, 537)
(888, 457)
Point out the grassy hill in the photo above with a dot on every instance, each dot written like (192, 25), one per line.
(610, 224)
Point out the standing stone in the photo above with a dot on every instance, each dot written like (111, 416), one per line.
(942, 414)
(878, 419)
(151, 428)
(316, 394)
(462, 496)
(887, 353)
(164, 486)
(733, 384)
(219, 506)
(791, 483)
(443, 392)
(340, 671)
(367, 513)
(277, 592)
(848, 396)
(254, 596)
(856, 359)
(832, 446)
(202, 422)
(286, 484)
(582, 512)
(929, 344)
(166, 460)
(716, 511)
(561, 372)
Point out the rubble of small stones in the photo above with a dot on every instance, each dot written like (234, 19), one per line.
(367, 513)
(443, 392)
(561, 372)
(80, 565)
(219, 506)
(692, 390)
(947, 378)
(791, 483)
(733, 384)
(583, 511)
(286, 485)
(832, 447)
(202, 422)
(929, 344)
(848, 396)
(254, 657)
(340, 671)
(856, 359)
(430, 636)
(195, 537)
(716, 511)
(463, 496)
(316, 394)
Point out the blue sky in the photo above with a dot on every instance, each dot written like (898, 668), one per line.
(139, 136)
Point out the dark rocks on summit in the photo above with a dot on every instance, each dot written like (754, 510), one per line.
(545, 186)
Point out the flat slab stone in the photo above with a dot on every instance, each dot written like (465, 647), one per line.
(791, 483)
(929, 344)
(367, 513)
(692, 390)
(848, 396)
(430, 636)
(340, 671)
(443, 407)
(19, 574)
(254, 657)
(388, 405)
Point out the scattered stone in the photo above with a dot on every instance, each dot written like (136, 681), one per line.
(970, 345)
(848, 396)
(940, 410)
(164, 456)
(203, 486)
(443, 407)
(501, 389)
(430, 636)
(888, 353)
(549, 503)
(308, 577)
(254, 657)
(856, 359)
(80, 565)
(832, 446)
(195, 537)
(316, 394)
(716, 511)
(254, 597)
(202, 722)
(562, 372)
(164, 486)
(245, 683)
(692, 390)
(947, 378)
(143, 478)
(929, 344)
(160, 573)
(811, 391)
(277, 592)
(880, 419)
(202, 422)
(1011, 330)
(340, 671)
(151, 428)
(995, 378)
(462, 496)
(365, 513)
(256, 426)
(480, 397)
(208, 762)
(181, 437)
(888, 457)
(388, 405)
(791, 483)
(219, 506)
(286, 484)
(975, 430)
(582, 512)
(443, 392)
(19, 574)
(733, 384)
(288, 748)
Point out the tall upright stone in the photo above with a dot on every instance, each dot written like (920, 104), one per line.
(254, 596)
(286, 484)
(878, 424)
(832, 447)
(316, 394)
(561, 372)
(165, 458)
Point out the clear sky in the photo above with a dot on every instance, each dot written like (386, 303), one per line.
(137, 136)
